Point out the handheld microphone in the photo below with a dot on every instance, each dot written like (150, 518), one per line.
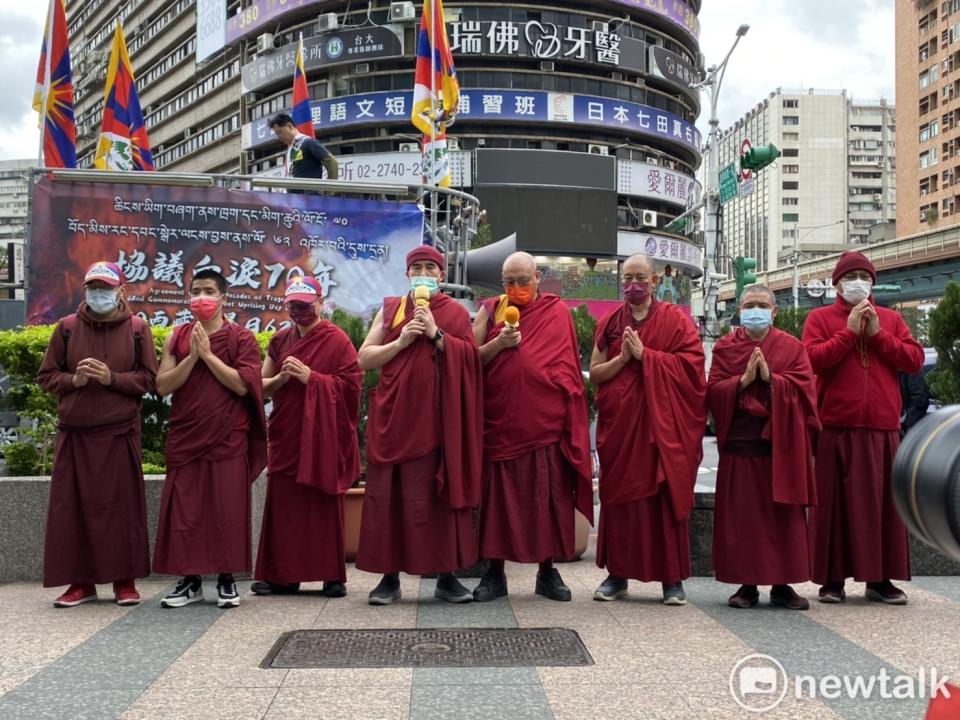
(421, 296)
(511, 317)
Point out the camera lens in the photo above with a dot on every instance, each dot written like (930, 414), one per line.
(926, 480)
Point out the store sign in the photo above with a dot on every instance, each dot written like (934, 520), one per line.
(211, 27)
(496, 105)
(260, 14)
(676, 11)
(336, 48)
(656, 183)
(661, 249)
(402, 168)
(670, 66)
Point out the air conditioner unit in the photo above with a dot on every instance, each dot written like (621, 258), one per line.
(250, 98)
(402, 12)
(598, 149)
(362, 68)
(547, 65)
(187, 133)
(648, 218)
(327, 21)
(616, 76)
(409, 147)
(265, 42)
(159, 149)
(453, 144)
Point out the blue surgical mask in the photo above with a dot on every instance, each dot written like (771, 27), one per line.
(102, 301)
(756, 319)
(430, 283)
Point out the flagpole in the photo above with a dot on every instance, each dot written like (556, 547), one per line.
(47, 81)
(433, 125)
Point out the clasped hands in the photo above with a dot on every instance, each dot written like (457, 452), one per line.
(632, 346)
(756, 365)
(864, 317)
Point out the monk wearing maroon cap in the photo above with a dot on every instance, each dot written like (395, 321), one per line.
(537, 468)
(312, 375)
(216, 447)
(651, 415)
(100, 362)
(763, 399)
(856, 350)
(423, 437)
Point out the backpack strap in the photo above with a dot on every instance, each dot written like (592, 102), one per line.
(138, 327)
(67, 326)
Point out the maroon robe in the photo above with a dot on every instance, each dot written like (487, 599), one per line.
(97, 518)
(650, 422)
(766, 478)
(216, 448)
(314, 458)
(537, 467)
(423, 448)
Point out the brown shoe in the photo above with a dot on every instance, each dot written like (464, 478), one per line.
(886, 592)
(832, 593)
(786, 596)
(746, 597)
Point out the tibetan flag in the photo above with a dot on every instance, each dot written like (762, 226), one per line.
(123, 137)
(53, 97)
(436, 92)
(301, 114)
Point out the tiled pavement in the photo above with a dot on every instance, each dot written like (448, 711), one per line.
(102, 661)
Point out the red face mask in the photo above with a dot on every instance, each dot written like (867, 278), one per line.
(521, 295)
(302, 314)
(204, 307)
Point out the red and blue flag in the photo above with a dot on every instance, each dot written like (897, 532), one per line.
(53, 97)
(301, 113)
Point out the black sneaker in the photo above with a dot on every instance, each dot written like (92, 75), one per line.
(334, 589)
(262, 587)
(227, 596)
(188, 591)
(550, 585)
(492, 585)
(451, 589)
(387, 591)
(612, 588)
(674, 594)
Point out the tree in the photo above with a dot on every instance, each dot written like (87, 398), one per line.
(919, 323)
(791, 321)
(944, 380)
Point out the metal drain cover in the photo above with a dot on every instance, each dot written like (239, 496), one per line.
(437, 647)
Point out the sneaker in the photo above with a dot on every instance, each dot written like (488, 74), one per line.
(263, 587)
(674, 594)
(227, 596)
(189, 590)
(492, 585)
(612, 588)
(76, 594)
(387, 591)
(550, 585)
(333, 589)
(746, 597)
(886, 592)
(785, 596)
(125, 593)
(832, 593)
(451, 589)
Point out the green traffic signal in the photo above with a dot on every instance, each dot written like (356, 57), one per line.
(759, 157)
(743, 268)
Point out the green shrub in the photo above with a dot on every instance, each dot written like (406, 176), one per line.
(944, 326)
(22, 458)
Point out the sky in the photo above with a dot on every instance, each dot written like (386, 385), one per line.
(822, 44)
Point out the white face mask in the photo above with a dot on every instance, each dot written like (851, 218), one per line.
(855, 291)
(102, 301)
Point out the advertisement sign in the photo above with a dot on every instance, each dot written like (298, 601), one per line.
(260, 14)
(656, 182)
(211, 27)
(676, 11)
(401, 168)
(661, 249)
(159, 235)
(336, 48)
(670, 66)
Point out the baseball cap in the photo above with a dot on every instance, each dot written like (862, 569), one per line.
(302, 289)
(106, 272)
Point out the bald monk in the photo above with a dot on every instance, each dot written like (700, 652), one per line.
(423, 437)
(217, 447)
(763, 398)
(99, 363)
(647, 364)
(312, 375)
(856, 349)
(537, 468)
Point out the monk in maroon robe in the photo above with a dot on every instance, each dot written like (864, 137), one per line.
(856, 349)
(312, 375)
(647, 364)
(216, 447)
(537, 467)
(423, 437)
(100, 362)
(762, 395)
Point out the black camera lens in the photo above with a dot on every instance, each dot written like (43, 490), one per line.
(926, 480)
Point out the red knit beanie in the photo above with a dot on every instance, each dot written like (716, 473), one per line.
(424, 253)
(851, 261)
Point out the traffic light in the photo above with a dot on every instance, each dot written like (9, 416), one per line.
(759, 157)
(743, 268)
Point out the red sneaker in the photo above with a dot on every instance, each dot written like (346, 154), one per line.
(125, 592)
(76, 594)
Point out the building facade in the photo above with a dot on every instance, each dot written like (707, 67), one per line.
(834, 181)
(555, 83)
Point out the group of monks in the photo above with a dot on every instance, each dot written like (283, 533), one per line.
(478, 442)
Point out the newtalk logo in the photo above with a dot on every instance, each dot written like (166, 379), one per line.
(759, 683)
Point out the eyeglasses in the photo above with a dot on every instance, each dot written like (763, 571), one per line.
(522, 282)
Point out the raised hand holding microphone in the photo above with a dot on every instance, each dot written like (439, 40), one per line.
(510, 335)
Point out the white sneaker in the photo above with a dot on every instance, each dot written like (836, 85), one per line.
(189, 590)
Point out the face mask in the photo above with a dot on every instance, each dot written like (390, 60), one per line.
(855, 291)
(636, 293)
(521, 295)
(756, 319)
(101, 300)
(204, 307)
(302, 314)
(430, 283)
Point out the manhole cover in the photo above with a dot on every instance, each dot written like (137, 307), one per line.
(438, 647)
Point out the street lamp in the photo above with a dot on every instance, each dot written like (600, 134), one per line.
(795, 256)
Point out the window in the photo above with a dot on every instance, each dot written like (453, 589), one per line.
(791, 137)
(928, 158)
(791, 120)
(791, 186)
(791, 169)
(791, 217)
(791, 152)
(791, 103)
(791, 201)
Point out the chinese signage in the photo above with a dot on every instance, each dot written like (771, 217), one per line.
(728, 183)
(496, 105)
(656, 182)
(401, 168)
(546, 41)
(344, 46)
(159, 235)
(676, 11)
(261, 13)
(661, 249)
(211, 27)
(671, 66)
